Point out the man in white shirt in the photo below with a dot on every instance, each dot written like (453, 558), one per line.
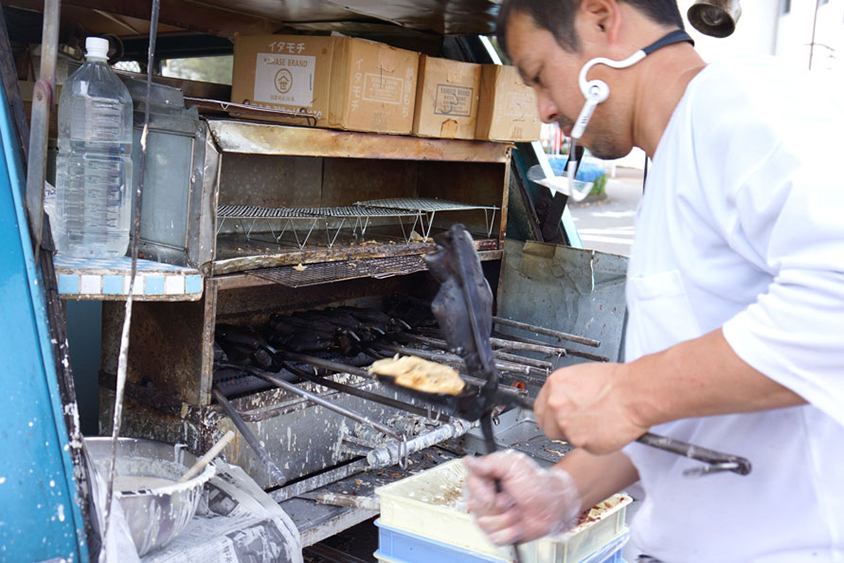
(735, 295)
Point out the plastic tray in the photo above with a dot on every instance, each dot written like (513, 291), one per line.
(396, 546)
(429, 504)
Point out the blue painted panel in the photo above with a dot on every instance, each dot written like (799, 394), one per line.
(39, 518)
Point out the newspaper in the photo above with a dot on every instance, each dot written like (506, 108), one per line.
(236, 522)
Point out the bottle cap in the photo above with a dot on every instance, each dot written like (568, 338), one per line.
(96, 47)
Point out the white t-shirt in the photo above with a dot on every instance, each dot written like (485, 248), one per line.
(742, 227)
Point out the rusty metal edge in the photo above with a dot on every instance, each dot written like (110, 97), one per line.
(273, 139)
(237, 265)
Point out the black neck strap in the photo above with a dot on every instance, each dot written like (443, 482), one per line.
(676, 36)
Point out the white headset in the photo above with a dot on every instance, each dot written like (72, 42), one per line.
(597, 91)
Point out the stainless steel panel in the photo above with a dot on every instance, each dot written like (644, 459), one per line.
(174, 189)
(166, 181)
(566, 289)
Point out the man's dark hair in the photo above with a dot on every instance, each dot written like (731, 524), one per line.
(557, 16)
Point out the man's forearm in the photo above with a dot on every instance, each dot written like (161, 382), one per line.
(598, 476)
(699, 377)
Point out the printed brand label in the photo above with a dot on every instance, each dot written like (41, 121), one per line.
(517, 105)
(385, 89)
(285, 79)
(453, 100)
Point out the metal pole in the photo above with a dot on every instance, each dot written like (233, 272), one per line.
(547, 332)
(814, 28)
(43, 95)
(316, 399)
(391, 453)
(276, 474)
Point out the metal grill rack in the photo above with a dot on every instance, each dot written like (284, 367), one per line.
(357, 217)
(325, 272)
(427, 208)
(334, 220)
(252, 213)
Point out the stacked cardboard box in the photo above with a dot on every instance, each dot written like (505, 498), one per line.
(446, 99)
(361, 85)
(507, 109)
(346, 83)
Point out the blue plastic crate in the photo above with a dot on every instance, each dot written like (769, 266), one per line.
(398, 546)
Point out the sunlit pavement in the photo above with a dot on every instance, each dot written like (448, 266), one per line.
(606, 223)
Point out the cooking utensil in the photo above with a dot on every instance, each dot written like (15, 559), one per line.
(463, 307)
(277, 474)
(206, 459)
(154, 515)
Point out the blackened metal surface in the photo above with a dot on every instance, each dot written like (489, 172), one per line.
(226, 18)
(236, 255)
(347, 180)
(463, 305)
(253, 304)
(167, 349)
(269, 180)
(328, 272)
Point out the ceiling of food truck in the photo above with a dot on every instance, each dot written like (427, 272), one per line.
(227, 17)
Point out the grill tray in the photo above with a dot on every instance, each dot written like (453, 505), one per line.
(325, 272)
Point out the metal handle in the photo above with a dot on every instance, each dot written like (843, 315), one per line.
(276, 473)
(718, 461)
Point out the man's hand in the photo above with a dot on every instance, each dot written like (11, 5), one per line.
(586, 405)
(534, 502)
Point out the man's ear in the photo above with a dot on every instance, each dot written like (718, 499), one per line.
(599, 21)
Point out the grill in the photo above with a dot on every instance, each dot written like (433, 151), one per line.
(427, 208)
(329, 272)
(299, 229)
(357, 217)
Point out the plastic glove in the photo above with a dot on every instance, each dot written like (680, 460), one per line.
(534, 501)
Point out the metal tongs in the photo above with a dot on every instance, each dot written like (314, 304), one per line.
(463, 308)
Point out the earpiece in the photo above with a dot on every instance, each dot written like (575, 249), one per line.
(597, 91)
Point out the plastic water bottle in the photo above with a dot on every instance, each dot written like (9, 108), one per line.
(94, 164)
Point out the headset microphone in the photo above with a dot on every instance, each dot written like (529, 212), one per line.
(597, 91)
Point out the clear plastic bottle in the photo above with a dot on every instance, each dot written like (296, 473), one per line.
(94, 164)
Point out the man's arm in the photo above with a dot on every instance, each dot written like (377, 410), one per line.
(598, 477)
(603, 407)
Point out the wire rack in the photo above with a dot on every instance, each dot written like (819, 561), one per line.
(326, 272)
(303, 221)
(427, 208)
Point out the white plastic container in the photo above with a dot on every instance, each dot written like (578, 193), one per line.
(430, 504)
(94, 164)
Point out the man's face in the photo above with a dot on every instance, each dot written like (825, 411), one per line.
(553, 74)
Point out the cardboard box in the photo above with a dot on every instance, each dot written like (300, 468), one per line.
(288, 72)
(373, 87)
(507, 108)
(446, 99)
(347, 83)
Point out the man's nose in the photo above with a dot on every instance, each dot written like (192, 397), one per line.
(548, 111)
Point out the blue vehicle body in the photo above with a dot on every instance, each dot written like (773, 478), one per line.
(40, 515)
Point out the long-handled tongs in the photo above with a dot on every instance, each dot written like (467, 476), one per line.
(463, 307)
